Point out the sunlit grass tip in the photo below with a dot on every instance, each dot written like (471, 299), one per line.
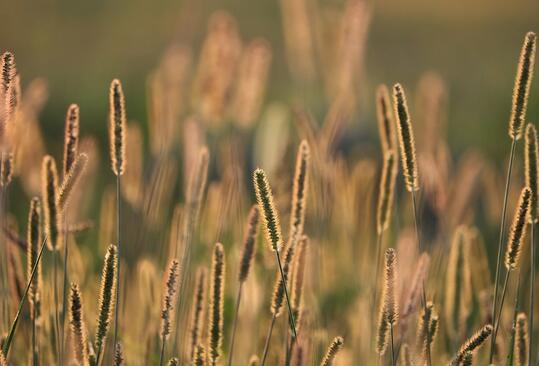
(406, 139)
(266, 204)
(521, 89)
(518, 230)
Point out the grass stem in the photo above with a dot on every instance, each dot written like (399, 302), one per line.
(290, 313)
(268, 338)
(118, 239)
(500, 243)
(234, 324)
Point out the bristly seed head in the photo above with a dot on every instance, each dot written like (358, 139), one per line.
(106, 295)
(49, 191)
(264, 198)
(332, 351)
(197, 319)
(117, 126)
(474, 342)
(531, 159)
(169, 290)
(523, 81)
(386, 192)
(521, 339)
(71, 138)
(518, 230)
(78, 329)
(71, 179)
(217, 285)
(299, 193)
(249, 240)
(33, 240)
(390, 280)
(406, 139)
(386, 128)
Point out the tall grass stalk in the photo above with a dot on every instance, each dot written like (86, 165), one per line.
(11, 333)
(268, 338)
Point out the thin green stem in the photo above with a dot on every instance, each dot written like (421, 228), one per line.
(56, 305)
(500, 243)
(392, 345)
(234, 325)
(162, 356)
(268, 338)
(64, 293)
(418, 236)
(532, 293)
(497, 323)
(9, 338)
(117, 307)
(284, 279)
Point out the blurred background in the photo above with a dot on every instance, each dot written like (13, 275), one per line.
(78, 47)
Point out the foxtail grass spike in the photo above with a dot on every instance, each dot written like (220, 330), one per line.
(521, 340)
(531, 160)
(197, 320)
(382, 333)
(386, 191)
(117, 126)
(406, 139)
(264, 198)
(118, 355)
(174, 362)
(332, 351)
(215, 324)
(474, 342)
(8, 69)
(33, 240)
(168, 297)
(70, 180)
(518, 231)
(423, 330)
(386, 128)
(467, 360)
(299, 193)
(523, 82)
(78, 329)
(297, 278)
(390, 280)
(51, 210)
(249, 240)
(199, 356)
(7, 162)
(71, 138)
(106, 297)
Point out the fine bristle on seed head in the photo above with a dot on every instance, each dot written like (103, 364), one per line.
(199, 356)
(386, 128)
(117, 127)
(106, 295)
(169, 290)
(299, 193)
(332, 351)
(406, 139)
(518, 230)
(390, 280)
(197, 318)
(249, 240)
(531, 161)
(51, 210)
(33, 240)
(521, 340)
(472, 343)
(118, 355)
(521, 89)
(386, 191)
(71, 179)
(71, 138)
(78, 329)
(267, 207)
(215, 323)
